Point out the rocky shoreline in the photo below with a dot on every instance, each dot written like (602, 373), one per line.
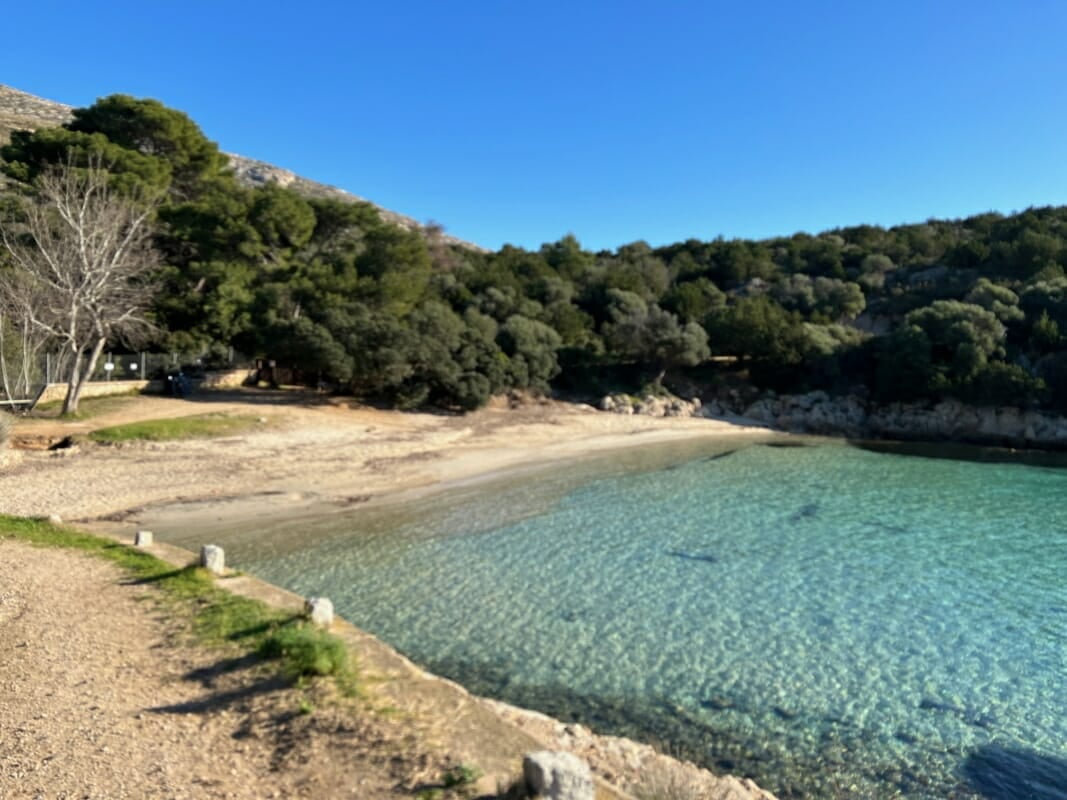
(855, 417)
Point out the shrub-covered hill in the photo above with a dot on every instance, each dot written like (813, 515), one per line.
(973, 308)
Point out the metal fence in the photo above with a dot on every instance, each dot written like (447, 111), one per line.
(149, 366)
(25, 379)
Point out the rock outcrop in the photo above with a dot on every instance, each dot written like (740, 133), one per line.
(855, 417)
(948, 420)
(651, 406)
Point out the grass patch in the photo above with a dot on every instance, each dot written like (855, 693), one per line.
(305, 651)
(200, 426)
(216, 616)
(88, 408)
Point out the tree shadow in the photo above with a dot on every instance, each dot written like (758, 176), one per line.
(997, 772)
(209, 674)
(264, 397)
(225, 699)
(151, 579)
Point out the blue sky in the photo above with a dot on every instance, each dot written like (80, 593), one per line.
(617, 121)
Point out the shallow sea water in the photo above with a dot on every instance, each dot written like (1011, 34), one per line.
(829, 621)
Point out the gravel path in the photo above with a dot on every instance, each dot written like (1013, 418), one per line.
(99, 698)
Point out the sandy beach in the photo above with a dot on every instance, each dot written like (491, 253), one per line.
(310, 450)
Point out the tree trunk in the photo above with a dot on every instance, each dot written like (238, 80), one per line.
(79, 379)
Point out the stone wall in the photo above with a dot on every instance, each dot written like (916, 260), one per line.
(57, 391)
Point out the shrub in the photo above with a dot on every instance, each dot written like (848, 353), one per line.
(463, 775)
(306, 651)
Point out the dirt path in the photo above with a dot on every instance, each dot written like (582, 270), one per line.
(100, 698)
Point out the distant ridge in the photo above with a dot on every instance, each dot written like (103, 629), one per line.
(22, 111)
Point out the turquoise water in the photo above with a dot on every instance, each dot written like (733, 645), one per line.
(829, 621)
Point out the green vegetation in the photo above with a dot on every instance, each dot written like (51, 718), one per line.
(159, 430)
(462, 775)
(306, 652)
(216, 616)
(973, 308)
(459, 782)
(89, 408)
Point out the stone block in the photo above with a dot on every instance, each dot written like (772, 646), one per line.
(557, 776)
(319, 610)
(213, 558)
(143, 539)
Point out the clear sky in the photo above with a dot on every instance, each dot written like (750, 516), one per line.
(522, 121)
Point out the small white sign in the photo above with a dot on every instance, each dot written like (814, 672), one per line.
(108, 366)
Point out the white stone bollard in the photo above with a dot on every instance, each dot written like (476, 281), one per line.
(55, 519)
(319, 610)
(557, 776)
(213, 558)
(142, 539)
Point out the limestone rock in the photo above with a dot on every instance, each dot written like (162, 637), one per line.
(143, 539)
(213, 558)
(55, 519)
(557, 776)
(319, 610)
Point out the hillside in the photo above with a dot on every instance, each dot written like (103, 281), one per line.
(22, 111)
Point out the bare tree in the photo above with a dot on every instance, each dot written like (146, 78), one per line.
(81, 257)
(22, 347)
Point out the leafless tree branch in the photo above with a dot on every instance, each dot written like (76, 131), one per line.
(81, 259)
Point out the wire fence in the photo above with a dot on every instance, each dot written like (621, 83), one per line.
(23, 377)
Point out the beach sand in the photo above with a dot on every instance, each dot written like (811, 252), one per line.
(311, 450)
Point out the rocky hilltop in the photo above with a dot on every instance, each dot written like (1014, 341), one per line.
(22, 111)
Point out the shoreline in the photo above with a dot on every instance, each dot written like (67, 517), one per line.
(415, 455)
(618, 763)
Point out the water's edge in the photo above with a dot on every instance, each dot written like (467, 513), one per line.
(613, 755)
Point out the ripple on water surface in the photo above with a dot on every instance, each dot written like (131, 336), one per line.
(830, 621)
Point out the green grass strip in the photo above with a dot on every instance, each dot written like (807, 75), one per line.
(216, 616)
(200, 426)
(88, 408)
